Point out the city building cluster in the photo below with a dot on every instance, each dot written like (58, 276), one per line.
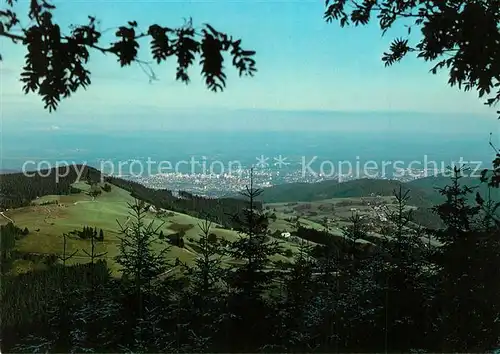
(219, 185)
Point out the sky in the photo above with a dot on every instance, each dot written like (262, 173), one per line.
(311, 75)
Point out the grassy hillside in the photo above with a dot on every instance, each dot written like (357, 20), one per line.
(48, 217)
(18, 190)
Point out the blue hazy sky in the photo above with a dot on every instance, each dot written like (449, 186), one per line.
(310, 74)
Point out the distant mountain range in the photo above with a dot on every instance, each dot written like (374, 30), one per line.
(7, 170)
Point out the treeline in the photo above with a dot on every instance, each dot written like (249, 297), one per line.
(9, 234)
(237, 297)
(19, 189)
(88, 233)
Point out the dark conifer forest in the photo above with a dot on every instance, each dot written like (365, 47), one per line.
(401, 295)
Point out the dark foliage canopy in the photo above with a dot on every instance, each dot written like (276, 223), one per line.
(56, 63)
(460, 36)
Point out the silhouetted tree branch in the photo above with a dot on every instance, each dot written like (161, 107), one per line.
(461, 36)
(55, 64)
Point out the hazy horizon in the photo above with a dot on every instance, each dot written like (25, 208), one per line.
(311, 82)
(305, 66)
(214, 120)
(244, 146)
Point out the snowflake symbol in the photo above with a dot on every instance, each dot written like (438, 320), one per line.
(280, 161)
(262, 161)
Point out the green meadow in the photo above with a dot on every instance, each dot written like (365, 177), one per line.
(51, 216)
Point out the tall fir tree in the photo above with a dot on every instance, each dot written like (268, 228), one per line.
(294, 329)
(204, 297)
(457, 258)
(252, 277)
(142, 258)
(404, 277)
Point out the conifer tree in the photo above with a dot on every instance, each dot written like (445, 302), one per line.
(486, 270)
(59, 310)
(207, 271)
(294, 331)
(358, 301)
(88, 178)
(204, 295)
(404, 278)
(254, 276)
(7, 242)
(142, 258)
(93, 255)
(140, 261)
(93, 316)
(250, 280)
(468, 262)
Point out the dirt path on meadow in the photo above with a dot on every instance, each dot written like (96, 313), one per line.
(5, 216)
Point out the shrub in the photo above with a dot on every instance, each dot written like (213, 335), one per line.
(74, 190)
(49, 202)
(288, 253)
(212, 237)
(50, 259)
(176, 239)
